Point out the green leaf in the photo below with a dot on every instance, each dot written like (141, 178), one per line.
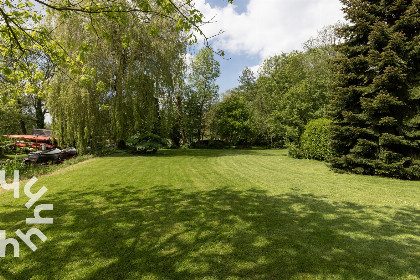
(7, 71)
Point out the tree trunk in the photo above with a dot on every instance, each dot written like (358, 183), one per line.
(201, 124)
(23, 127)
(22, 121)
(118, 110)
(39, 113)
(181, 119)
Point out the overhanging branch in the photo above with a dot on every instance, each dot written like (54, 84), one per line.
(10, 28)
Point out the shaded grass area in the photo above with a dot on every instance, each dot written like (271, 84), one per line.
(218, 215)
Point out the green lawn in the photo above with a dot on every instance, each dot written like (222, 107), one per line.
(228, 214)
(14, 156)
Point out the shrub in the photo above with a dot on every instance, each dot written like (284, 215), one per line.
(10, 165)
(146, 143)
(294, 151)
(208, 144)
(6, 145)
(186, 146)
(315, 140)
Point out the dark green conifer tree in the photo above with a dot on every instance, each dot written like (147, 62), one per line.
(376, 105)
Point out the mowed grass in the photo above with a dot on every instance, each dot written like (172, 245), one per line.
(217, 214)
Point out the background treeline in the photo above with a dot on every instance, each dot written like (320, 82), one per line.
(273, 109)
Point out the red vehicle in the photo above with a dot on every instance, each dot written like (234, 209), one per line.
(46, 146)
(33, 141)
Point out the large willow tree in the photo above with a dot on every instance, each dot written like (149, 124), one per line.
(119, 72)
(115, 61)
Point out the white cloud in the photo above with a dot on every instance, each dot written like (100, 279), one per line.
(188, 58)
(255, 69)
(269, 27)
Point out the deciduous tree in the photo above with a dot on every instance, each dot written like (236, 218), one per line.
(203, 90)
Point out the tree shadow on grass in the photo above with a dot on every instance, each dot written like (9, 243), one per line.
(165, 233)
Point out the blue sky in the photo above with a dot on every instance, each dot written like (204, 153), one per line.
(257, 29)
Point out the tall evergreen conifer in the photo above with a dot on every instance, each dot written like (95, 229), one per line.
(375, 109)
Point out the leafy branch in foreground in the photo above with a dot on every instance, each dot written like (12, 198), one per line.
(19, 19)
